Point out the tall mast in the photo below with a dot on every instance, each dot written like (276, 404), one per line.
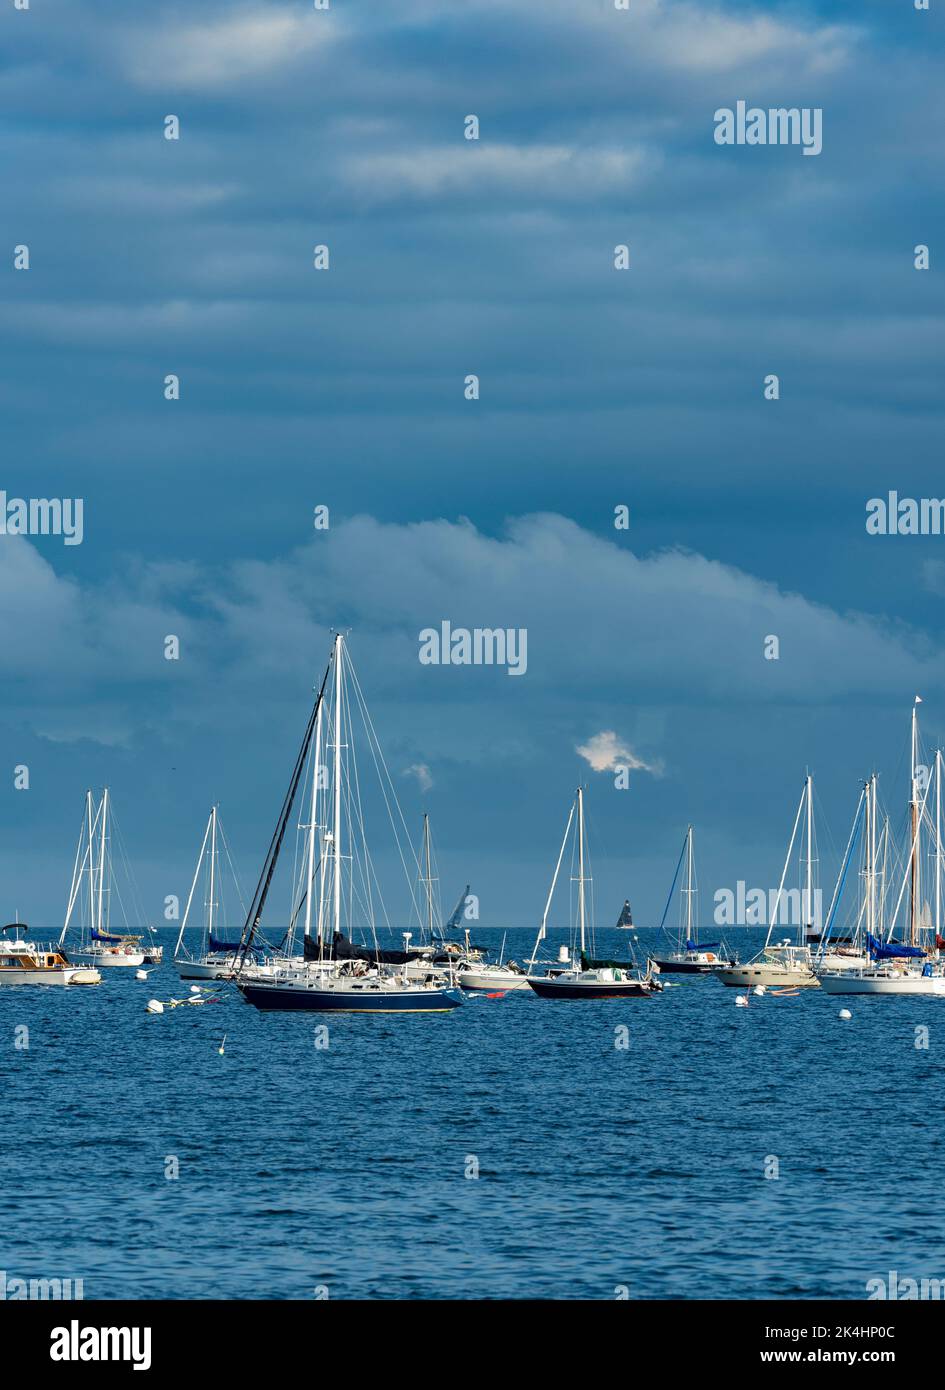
(938, 845)
(257, 906)
(88, 813)
(213, 867)
(426, 853)
(914, 816)
(810, 840)
(581, 863)
(336, 833)
(193, 887)
(313, 826)
(543, 928)
(882, 872)
(101, 862)
(689, 887)
(871, 855)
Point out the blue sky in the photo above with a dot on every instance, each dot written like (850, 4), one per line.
(345, 388)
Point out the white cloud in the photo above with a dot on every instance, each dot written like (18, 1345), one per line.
(422, 773)
(607, 751)
(221, 52)
(605, 628)
(556, 171)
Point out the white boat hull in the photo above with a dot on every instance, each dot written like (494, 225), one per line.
(108, 960)
(70, 975)
(877, 983)
(491, 979)
(206, 970)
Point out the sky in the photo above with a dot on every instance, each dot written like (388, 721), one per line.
(345, 388)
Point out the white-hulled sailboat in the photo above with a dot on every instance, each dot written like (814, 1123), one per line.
(587, 977)
(336, 975)
(836, 953)
(218, 957)
(898, 967)
(782, 963)
(98, 945)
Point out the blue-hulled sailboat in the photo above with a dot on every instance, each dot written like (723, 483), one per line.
(334, 975)
(691, 956)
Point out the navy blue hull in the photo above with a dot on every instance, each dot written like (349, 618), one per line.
(305, 1000)
(620, 989)
(686, 967)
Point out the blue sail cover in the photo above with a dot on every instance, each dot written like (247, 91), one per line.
(883, 950)
(702, 945)
(215, 944)
(103, 936)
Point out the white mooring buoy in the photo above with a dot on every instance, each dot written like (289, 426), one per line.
(759, 989)
(741, 1001)
(195, 989)
(844, 1013)
(155, 1006)
(222, 1045)
(141, 974)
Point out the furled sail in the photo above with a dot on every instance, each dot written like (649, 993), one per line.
(115, 940)
(886, 950)
(343, 949)
(215, 943)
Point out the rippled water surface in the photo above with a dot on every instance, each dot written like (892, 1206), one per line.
(345, 1167)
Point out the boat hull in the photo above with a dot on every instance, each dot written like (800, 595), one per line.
(746, 976)
(887, 984)
(571, 989)
(685, 967)
(474, 980)
(325, 999)
(108, 960)
(205, 970)
(71, 975)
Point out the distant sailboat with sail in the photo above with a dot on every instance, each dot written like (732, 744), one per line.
(625, 920)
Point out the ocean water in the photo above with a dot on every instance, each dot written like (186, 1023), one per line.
(640, 1169)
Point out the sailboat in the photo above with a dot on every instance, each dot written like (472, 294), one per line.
(588, 978)
(625, 920)
(218, 957)
(899, 967)
(690, 957)
(335, 975)
(99, 945)
(783, 963)
(839, 953)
